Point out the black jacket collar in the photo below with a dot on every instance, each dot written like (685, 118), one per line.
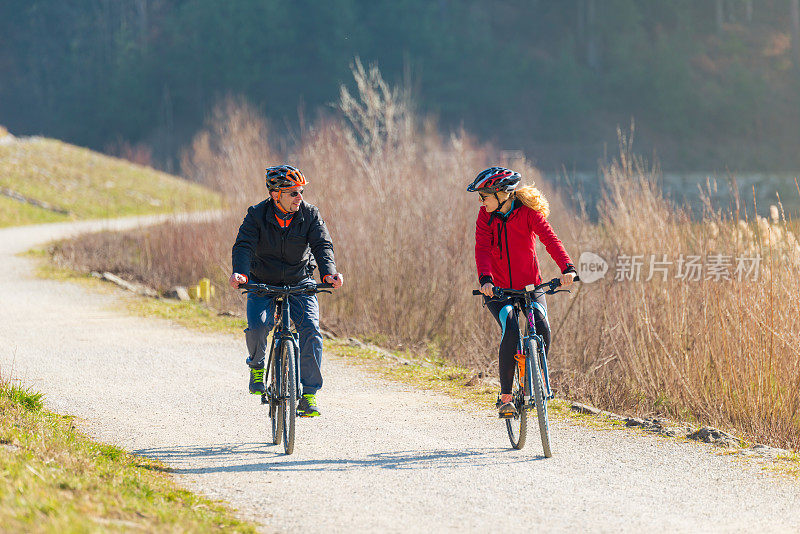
(270, 212)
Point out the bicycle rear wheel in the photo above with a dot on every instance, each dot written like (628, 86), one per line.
(517, 426)
(275, 408)
(288, 395)
(540, 401)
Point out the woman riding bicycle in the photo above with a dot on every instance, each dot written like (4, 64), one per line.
(509, 221)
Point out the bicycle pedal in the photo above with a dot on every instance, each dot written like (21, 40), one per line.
(264, 399)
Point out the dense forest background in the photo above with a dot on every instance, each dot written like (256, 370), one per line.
(711, 84)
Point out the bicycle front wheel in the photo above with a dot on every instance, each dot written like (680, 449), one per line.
(540, 401)
(275, 405)
(288, 395)
(517, 426)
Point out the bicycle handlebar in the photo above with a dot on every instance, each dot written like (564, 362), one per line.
(500, 292)
(268, 290)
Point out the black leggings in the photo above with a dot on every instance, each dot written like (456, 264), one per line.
(506, 316)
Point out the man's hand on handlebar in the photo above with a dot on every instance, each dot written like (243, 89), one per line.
(237, 279)
(335, 280)
(488, 289)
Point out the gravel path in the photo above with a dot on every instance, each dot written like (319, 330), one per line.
(383, 456)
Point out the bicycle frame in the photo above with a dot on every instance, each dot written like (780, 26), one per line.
(528, 340)
(534, 378)
(281, 332)
(282, 407)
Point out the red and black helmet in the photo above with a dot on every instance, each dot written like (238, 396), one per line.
(495, 179)
(284, 177)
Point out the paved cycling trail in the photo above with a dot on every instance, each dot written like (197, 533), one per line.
(382, 457)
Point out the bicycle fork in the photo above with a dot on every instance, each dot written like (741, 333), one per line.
(543, 359)
(296, 341)
(528, 341)
(268, 396)
(293, 338)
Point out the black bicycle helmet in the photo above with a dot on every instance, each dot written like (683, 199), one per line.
(284, 177)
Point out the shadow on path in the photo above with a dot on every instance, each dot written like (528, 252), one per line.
(225, 458)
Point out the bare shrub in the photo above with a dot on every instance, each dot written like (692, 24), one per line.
(230, 154)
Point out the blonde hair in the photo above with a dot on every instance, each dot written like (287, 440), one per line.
(534, 199)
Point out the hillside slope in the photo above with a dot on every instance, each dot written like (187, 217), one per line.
(86, 184)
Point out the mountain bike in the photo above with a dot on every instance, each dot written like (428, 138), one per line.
(283, 366)
(531, 386)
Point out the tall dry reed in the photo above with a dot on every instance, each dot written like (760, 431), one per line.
(722, 349)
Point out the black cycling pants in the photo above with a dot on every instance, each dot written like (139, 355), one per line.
(506, 316)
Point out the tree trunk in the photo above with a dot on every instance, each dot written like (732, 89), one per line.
(592, 49)
(795, 21)
(141, 8)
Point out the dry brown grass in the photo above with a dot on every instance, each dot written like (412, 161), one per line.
(721, 351)
(393, 192)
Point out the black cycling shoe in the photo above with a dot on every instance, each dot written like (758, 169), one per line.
(256, 381)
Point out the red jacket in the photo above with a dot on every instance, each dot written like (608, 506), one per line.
(505, 248)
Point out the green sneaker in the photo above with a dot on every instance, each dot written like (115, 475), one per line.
(307, 407)
(256, 381)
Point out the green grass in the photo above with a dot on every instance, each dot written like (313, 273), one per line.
(16, 213)
(191, 314)
(55, 479)
(88, 184)
(25, 397)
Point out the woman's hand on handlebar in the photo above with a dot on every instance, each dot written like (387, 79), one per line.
(488, 289)
(566, 279)
(237, 279)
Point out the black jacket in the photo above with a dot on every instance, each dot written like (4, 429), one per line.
(269, 254)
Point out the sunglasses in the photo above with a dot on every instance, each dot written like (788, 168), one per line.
(295, 192)
(484, 196)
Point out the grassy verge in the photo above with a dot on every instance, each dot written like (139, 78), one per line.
(191, 314)
(54, 479)
(88, 184)
(16, 213)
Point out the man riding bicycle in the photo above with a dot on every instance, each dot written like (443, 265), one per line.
(280, 242)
